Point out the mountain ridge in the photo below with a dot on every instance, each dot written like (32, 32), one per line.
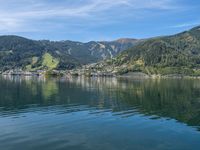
(19, 52)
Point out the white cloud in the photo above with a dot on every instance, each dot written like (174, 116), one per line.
(18, 15)
(183, 25)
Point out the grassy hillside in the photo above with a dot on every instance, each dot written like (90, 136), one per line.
(49, 62)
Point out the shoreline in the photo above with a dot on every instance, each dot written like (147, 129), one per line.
(130, 75)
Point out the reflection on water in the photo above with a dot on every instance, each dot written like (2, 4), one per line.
(99, 113)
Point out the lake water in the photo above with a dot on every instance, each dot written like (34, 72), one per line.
(99, 114)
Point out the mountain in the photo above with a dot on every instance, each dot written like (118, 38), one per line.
(176, 54)
(90, 52)
(31, 55)
(167, 55)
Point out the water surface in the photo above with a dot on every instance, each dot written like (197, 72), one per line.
(99, 114)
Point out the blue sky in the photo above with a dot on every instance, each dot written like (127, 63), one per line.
(85, 20)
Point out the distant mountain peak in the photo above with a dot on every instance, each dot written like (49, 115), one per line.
(196, 28)
(125, 40)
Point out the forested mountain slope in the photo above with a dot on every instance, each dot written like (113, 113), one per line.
(176, 54)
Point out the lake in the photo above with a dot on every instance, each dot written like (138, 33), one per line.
(99, 114)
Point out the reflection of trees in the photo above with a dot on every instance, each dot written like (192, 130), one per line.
(171, 98)
(19, 92)
(49, 89)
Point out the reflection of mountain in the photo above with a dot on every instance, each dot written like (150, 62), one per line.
(49, 89)
(173, 99)
(20, 92)
(176, 99)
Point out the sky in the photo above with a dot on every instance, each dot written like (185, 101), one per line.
(87, 20)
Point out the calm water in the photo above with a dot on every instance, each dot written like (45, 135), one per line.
(99, 114)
